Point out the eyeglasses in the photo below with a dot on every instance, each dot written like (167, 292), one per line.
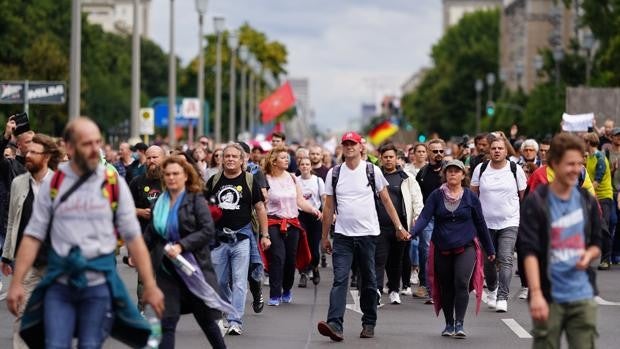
(36, 152)
(204, 143)
(437, 151)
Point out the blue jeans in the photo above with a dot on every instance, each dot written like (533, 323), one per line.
(86, 312)
(233, 259)
(413, 252)
(344, 250)
(423, 247)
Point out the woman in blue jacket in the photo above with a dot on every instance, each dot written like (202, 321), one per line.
(455, 258)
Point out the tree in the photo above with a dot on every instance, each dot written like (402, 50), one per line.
(445, 100)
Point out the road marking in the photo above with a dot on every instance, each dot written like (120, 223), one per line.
(356, 302)
(516, 328)
(601, 301)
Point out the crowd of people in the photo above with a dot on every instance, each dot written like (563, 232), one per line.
(204, 223)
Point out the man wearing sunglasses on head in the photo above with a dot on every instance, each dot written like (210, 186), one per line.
(429, 178)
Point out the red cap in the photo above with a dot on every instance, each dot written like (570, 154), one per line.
(351, 136)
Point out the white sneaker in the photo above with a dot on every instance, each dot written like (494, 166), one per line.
(492, 299)
(415, 279)
(502, 306)
(379, 304)
(394, 298)
(407, 292)
(386, 290)
(524, 293)
(235, 330)
(222, 326)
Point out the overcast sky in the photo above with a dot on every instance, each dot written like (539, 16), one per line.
(348, 49)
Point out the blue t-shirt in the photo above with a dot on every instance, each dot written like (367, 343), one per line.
(568, 284)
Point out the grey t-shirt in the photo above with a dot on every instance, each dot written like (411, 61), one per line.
(85, 219)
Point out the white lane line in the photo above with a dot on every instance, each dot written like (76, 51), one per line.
(356, 302)
(601, 301)
(516, 328)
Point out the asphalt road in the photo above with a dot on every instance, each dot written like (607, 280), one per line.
(409, 325)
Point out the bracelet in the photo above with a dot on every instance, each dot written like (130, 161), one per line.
(265, 237)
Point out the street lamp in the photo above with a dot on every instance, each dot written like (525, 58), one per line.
(250, 104)
(478, 86)
(558, 56)
(244, 53)
(588, 45)
(233, 42)
(75, 60)
(172, 83)
(490, 83)
(519, 72)
(201, 8)
(135, 71)
(218, 25)
(256, 93)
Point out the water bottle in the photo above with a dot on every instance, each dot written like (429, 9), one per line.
(155, 337)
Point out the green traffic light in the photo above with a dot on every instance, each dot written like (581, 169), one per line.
(490, 108)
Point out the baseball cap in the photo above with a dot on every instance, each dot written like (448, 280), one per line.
(615, 131)
(139, 146)
(351, 136)
(455, 163)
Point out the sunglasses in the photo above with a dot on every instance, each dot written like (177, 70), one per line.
(437, 151)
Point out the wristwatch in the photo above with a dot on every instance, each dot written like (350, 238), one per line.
(400, 227)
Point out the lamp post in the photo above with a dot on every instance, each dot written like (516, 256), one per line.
(478, 86)
(490, 83)
(76, 57)
(251, 95)
(233, 42)
(243, 56)
(201, 8)
(588, 44)
(172, 83)
(218, 24)
(135, 71)
(558, 56)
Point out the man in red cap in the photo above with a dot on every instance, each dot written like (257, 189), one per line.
(352, 188)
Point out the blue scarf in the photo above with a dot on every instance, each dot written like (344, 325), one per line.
(166, 219)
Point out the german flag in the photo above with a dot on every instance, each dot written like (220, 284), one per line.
(383, 131)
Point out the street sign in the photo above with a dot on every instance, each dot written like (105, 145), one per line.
(147, 121)
(190, 108)
(39, 92)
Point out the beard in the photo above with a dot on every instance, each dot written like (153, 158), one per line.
(86, 163)
(153, 172)
(33, 167)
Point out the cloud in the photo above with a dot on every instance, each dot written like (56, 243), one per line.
(347, 49)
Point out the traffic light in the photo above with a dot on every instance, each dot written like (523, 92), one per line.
(490, 108)
(422, 138)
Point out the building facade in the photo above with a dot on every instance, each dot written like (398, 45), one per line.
(116, 16)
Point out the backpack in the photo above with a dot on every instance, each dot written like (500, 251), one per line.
(370, 175)
(513, 169)
(249, 180)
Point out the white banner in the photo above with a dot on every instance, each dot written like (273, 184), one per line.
(190, 108)
(577, 123)
(147, 121)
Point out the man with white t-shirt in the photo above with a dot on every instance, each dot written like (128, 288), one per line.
(357, 228)
(500, 185)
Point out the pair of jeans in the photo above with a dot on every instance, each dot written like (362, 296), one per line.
(231, 262)
(577, 319)
(454, 273)
(423, 250)
(345, 247)
(282, 258)
(413, 252)
(504, 241)
(86, 312)
(388, 258)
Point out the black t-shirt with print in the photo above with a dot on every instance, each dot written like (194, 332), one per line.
(233, 196)
(145, 192)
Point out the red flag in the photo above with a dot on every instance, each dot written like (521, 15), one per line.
(276, 104)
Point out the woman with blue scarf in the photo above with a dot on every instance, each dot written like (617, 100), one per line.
(182, 227)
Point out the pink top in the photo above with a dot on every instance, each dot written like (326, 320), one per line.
(282, 196)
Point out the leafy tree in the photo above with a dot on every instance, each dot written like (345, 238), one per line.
(445, 101)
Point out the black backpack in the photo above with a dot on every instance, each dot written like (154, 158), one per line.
(370, 174)
(513, 169)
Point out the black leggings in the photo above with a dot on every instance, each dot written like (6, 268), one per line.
(454, 272)
(313, 232)
(282, 257)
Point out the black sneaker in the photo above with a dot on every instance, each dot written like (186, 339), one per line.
(303, 280)
(328, 330)
(368, 331)
(316, 276)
